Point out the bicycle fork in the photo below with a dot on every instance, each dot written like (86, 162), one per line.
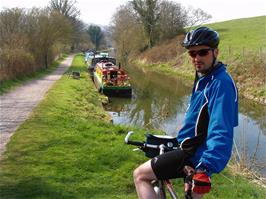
(170, 189)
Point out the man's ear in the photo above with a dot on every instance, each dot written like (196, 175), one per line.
(216, 52)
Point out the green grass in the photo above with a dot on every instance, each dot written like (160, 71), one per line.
(8, 85)
(69, 149)
(247, 34)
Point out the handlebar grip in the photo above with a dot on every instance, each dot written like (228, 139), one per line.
(136, 143)
(128, 135)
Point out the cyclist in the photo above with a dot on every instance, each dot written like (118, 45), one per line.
(207, 134)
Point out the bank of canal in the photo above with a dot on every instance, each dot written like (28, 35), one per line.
(159, 102)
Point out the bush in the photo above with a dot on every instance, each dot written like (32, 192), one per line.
(15, 62)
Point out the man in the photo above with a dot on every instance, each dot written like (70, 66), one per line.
(207, 134)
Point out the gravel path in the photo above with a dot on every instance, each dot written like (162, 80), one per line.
(17, 105)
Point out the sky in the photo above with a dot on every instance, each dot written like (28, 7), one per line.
(101, 11)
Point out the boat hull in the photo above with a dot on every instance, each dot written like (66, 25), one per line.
(121, 91)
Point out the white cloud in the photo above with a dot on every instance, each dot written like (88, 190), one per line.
(222, 10)
(98, 11)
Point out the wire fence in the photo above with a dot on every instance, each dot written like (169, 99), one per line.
(244, 52)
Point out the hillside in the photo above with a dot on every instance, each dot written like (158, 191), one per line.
(242, 47)
(247, 34)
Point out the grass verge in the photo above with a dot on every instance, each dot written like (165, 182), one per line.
(69, 149)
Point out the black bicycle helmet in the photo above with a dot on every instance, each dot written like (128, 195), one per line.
(201, 36)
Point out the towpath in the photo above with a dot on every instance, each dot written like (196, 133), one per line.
(17, 105)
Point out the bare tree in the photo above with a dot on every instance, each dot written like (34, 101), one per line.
(127, 33)
(148, 12)
(65, 7)
(172, 19)
(71, 12)
(14, 56)
(142, 23)
(53, 28)
(30, 39)
(196, 17)
(12, 27)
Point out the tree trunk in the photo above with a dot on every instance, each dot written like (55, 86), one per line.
(46, 60)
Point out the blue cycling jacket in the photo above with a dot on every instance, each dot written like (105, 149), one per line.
(207, 133)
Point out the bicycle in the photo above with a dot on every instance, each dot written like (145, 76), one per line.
(155, 145)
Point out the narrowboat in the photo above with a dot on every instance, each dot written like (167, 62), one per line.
(111, 80)
(96, 59)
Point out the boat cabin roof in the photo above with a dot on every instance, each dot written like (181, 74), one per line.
(107, 65)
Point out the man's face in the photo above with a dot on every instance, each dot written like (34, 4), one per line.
(202, 57)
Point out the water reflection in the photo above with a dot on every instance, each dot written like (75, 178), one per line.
(155, 104)
(254, 111)
(160, 102)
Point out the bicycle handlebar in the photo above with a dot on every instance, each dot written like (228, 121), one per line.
(144, 144)
(136, 143)
(128, 135)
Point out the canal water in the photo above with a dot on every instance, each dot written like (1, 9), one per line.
(159, 102)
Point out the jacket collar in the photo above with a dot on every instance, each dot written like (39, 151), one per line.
(205, 78)
(216, 69)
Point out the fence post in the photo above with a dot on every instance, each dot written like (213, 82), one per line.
(261, 53)
(243, 53)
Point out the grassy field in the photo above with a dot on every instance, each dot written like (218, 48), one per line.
(240, 35)
(69, 149)
(242, 47)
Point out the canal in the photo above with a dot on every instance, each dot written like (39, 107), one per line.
(159, 102)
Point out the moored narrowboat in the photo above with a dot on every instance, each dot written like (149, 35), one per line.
(111, 79)
(96, 59)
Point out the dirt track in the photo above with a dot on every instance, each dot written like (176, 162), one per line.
(17, 105)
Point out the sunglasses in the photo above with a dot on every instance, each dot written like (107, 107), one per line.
(201, 53)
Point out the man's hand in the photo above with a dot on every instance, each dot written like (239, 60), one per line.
(201, 183)
(189, 171)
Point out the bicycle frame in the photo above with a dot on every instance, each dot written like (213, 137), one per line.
(166, 183)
